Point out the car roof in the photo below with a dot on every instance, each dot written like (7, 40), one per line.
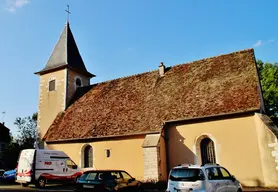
(104, 170)
(197, 166)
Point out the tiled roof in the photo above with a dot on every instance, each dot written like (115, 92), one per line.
(141, 103)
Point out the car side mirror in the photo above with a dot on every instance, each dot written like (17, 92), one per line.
(233, 178)
(130, 180)
(74, 167)
(202, 177)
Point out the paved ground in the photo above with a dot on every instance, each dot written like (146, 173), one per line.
(49, 188)
(70, 188)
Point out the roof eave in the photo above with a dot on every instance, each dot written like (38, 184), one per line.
(44, 71)
(86, 73)
(213, 116)
(99, 138)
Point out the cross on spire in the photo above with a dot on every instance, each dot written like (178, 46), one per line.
(68, 13)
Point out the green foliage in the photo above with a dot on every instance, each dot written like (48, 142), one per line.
(10, 155)
(24, 140)
(268, 73)
(27, 131)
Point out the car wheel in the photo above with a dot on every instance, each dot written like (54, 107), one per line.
(239, 190)
(40, 182)
(24, 184)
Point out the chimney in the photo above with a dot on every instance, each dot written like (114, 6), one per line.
(161, 69)
(3, 123)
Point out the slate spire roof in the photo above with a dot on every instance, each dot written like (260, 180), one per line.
(65, 55)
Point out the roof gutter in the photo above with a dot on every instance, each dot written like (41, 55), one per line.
(211, 116)
(99, 138)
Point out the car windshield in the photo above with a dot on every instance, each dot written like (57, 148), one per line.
(186, 174)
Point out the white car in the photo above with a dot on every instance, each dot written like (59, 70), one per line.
(202, 178)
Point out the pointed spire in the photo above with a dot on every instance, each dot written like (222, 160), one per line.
(65, 55)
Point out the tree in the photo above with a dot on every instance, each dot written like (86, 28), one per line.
(27, 131)
(11, 154)
(268, 73)
(25, 140)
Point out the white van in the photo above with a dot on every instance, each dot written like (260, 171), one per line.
(39, 166)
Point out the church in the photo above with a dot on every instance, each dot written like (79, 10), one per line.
(206, 111)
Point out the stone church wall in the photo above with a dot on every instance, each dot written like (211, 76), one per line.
(235, 141)
(126, 153)
(71, 83)
(50, 102)
(268, 146)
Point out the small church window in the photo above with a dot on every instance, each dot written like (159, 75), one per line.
(108, 153)
(51, 86)
(78, 82)
(207, 151)
(88, 156)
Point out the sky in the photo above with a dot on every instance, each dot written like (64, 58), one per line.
(124, 37)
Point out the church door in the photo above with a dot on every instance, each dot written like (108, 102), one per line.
(207, 151)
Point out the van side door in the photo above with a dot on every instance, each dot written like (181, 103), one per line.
(70, 169)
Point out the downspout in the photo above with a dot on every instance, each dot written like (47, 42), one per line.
(166, 139)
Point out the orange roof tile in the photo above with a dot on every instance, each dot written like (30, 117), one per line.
(141, 103)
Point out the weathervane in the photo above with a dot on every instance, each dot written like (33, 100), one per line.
(68, 13)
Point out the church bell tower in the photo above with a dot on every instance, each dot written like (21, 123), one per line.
(63, 73)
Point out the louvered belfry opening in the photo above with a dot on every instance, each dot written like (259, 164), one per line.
(88, 156)
(207, 151)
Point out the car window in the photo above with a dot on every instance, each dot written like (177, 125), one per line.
(225, 173)
(89, 176)
(125, 175)
(186, 174)
(116, 174)
(106, 176)
(213, 173)
(70, 163)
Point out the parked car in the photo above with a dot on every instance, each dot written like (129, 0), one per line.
(107, 180)
(9, 176)
(202, 178)
(1, 174)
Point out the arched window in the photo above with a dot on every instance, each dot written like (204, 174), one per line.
(78, 82)
(207, 151)
(88, 156)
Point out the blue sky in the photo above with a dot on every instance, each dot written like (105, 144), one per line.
(124, 37)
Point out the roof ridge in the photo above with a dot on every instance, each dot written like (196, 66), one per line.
(217, 56)
(176, 65)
